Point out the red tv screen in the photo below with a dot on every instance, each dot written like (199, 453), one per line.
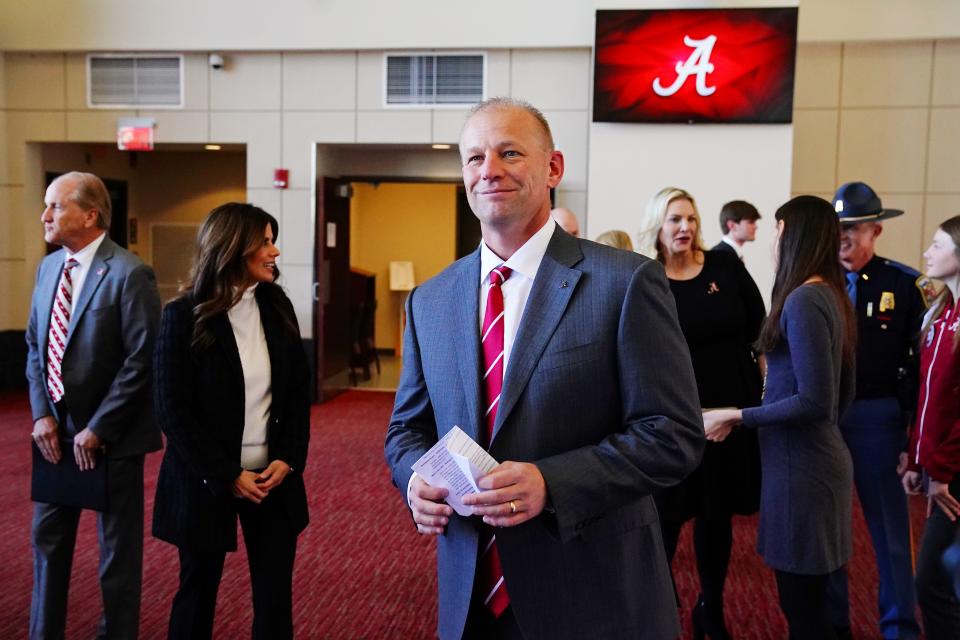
(695, 65)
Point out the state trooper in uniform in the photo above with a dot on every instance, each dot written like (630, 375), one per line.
(889, 301)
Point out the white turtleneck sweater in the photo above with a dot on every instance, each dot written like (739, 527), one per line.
(255, 359)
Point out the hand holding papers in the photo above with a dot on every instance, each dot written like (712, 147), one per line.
(455, 463)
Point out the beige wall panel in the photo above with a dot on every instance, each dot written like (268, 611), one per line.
(946, 73)
(76, 80)
(883, 147)
(498, 72)
(301, 129)
(268, 200)
(3, 80)
(894, 74)
(30, 126)
(534, 77)
(261, 133)
(939, 207)
(17, 286)
(94, 126)
(394, 126)
(313, 81)
(247, 82)
(370, 79)
(943, 170)
(196, 81)
(35, 81)
(297, 281)
(817, 82)
(13, 222)
(814, 150)
(570, 136)
(4, 149)
(447, 124)
(902, 238)
(180, 126)
(296, 228)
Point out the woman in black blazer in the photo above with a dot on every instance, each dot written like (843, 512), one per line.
(232, 398)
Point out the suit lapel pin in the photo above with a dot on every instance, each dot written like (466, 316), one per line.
(563, 284)
(100, 271)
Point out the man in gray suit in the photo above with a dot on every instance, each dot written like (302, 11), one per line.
(587, 398)
(93, 322)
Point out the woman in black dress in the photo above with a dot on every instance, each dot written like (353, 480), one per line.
(720, 311)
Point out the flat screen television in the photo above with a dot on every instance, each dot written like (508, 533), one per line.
(695, 65)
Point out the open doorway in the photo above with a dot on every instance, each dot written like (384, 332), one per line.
(387, 219)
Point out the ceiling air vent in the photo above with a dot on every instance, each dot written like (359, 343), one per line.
(115, 81)
(454, 79)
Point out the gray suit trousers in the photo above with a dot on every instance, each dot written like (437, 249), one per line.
(120, 533)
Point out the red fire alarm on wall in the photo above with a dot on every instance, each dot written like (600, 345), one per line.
(280, 178)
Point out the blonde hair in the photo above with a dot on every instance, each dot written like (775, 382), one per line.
(653, 216)
(616, 239)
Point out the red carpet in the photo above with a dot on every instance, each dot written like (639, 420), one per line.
(362, 571)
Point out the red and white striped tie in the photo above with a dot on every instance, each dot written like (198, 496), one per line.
(57, 336)
(490, 575)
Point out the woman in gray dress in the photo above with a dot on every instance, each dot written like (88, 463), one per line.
(809, 340)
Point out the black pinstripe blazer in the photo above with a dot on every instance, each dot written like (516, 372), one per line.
(199, 399)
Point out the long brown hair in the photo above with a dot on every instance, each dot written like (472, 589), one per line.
(951, 227)
(809, 246)
(230, 233)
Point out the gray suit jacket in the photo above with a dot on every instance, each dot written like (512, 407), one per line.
(108, 359)
(600, 395)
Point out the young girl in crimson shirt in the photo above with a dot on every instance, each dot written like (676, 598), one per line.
(935, 441)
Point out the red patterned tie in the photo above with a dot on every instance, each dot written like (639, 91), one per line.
(490, 576)
(57, 336)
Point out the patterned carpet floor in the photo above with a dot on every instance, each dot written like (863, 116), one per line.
(362, 571)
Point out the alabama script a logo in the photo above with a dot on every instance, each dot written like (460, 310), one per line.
(697, 64)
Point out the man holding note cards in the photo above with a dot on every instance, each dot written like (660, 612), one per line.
(563, 359)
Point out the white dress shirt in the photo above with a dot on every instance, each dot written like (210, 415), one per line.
(255, 360)
(525, 262)
(78, 275)
(736, 247)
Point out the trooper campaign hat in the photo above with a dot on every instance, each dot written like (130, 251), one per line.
(856, 202)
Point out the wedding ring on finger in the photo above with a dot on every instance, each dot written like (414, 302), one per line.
(513, 506)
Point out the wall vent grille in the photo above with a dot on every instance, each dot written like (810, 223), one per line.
(435, 79)
(117, 81)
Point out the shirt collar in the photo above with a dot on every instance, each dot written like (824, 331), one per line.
(733, 244)
(525, 260)
(85, 255)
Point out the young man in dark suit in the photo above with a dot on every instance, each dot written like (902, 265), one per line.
(578, 381)
(738, 222)
(93, 321)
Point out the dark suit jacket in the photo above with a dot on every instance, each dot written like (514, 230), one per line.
(723, 246)
(600, 395)
(107, 363)
(200, 405)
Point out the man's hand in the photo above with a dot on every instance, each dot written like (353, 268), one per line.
(912, 483)
(939, 493)
(45, 435)
(902, 463)
(273, 475)
(426, 504)
(246, 486)
(85, 447)
(516, 492)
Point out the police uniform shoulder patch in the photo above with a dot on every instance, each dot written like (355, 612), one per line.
(927, 289)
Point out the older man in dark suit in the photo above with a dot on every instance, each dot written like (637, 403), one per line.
(565, 359)
(90, 336)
